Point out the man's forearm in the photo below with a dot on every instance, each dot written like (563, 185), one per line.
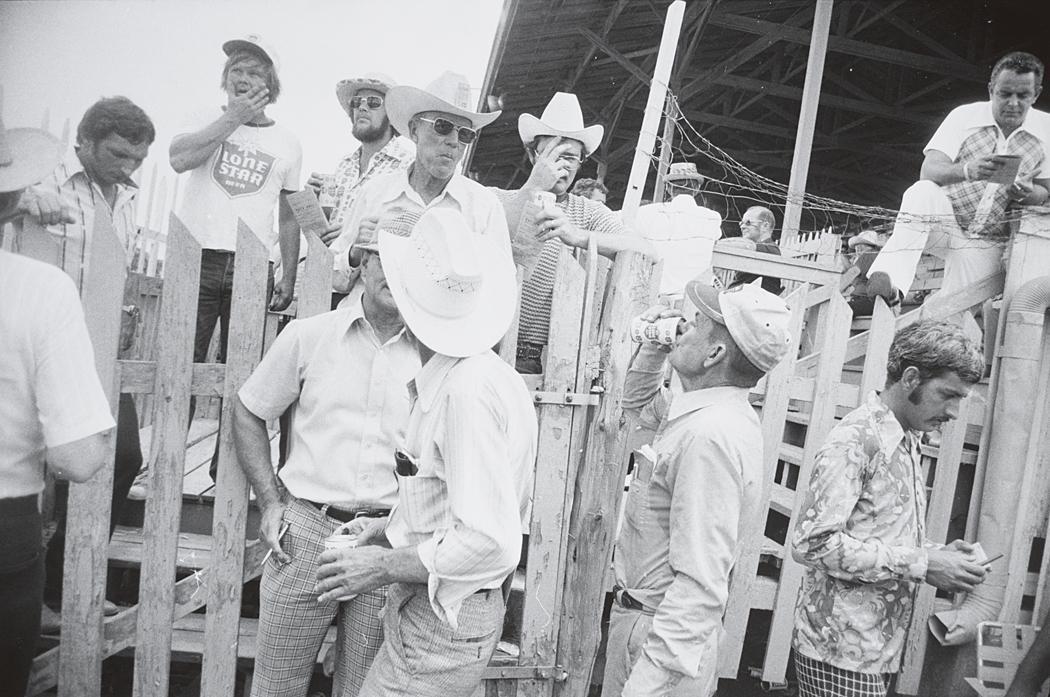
(288, 238)
(253, 453)
(403, 565)
(191, 150)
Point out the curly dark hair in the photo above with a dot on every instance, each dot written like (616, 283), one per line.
(117, 115)
(934, 348)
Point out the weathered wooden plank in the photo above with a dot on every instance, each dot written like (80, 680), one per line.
(508, 347)
(87, 512)
(229, 520)
(599, 485)
(552, 496)
(164, 507)
(138, 377)
(315, 287)
(938, 515)
(883, 328)
(765, 264)
(822, 419)
(774, 412)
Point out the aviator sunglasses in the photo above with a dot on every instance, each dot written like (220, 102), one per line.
(373, 101)
(443, 127)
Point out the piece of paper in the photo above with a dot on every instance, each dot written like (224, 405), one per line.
(308, 211)
(1009, 165)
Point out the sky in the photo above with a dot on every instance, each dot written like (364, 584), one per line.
(58, 57)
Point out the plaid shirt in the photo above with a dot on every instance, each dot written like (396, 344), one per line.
(472, 433)
(397, 154)
(861, 536)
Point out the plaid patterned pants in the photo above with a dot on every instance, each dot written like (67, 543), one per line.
(422, 656)
(820, 679)
(292, 624)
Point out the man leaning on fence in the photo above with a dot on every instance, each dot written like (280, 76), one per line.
(53, 413)
(464, 470)
(343, 373)
(113, 138)
(861, 529)
(693, 492)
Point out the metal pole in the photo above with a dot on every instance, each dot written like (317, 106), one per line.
(653, 108)
(807, 120)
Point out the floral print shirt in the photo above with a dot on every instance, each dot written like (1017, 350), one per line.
(861, 536)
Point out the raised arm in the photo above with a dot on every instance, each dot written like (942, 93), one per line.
(191, 150)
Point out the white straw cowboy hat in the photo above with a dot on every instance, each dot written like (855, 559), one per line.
(255, 44)
(449, 94)
(561, 117)
(680, 171)
(345, 89)
(27, 155)
(455, 289)
(868, 237)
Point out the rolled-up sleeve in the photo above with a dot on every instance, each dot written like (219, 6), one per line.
(275, 383)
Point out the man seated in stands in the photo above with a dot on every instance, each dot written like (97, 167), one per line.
(957, 212)
(865, 247)
(592, 189)
(757, 225)
(682, 228)
(694, 491)
(557, 143)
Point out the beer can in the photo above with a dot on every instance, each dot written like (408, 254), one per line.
(329, 194)
(544, 200)
(340, 539)
(662, 332)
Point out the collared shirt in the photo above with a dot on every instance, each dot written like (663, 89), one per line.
(472, 433)
(690, 497)
(970, 132)
(392, 199)
(351, 407)
(51, 392)
(538, 288)
(684, 236)
(398, 153)
(82, 196)
(861, 536)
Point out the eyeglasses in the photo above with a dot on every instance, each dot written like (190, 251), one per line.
(571, 160)
(443, 127)
(373, 101)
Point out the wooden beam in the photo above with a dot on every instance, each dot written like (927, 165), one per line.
(607, 26)
(499, 47)
(807, 120)
(626, 64)
(853, 47)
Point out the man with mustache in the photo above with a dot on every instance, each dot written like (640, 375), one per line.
(861, 529)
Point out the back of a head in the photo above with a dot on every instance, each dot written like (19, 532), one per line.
(117, 115)
(935, 349)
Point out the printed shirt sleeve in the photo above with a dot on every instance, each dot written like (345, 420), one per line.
(950, 134)
(821, 535)
(704, 477)
(70, 401)
(482, 545)
(275, 383)
(601, 219)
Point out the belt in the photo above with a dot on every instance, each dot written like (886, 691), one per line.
(624, 599)
(528, 350)
(345, 515)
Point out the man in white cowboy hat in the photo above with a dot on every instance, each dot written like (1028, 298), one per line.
(439, 120)
(464, 471)
(757, 225)
(342, 374)
(692, 491)
(681, 228)
(381, 150)
(54, 412)
(557, 143)
(865, 248)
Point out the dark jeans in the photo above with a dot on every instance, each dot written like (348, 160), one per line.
(21, 590)
(126, 464)
(213, 305)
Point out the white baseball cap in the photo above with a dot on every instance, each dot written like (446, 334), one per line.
(756, 319)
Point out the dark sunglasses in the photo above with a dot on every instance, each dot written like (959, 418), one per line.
(443, 127)
(373, 101)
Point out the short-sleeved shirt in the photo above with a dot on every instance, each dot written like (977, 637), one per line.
(350, 406)
(970, 132)
(51, 393)
(243, 179)
(684, 236)
(538, 289)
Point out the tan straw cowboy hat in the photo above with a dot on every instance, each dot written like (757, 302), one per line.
(448, 94)
(345, 89)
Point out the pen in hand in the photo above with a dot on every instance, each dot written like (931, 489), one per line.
(280, 535)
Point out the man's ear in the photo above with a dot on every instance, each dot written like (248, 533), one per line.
(911, 378)
(716, 354)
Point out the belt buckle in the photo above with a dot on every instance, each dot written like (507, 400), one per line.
(362, 513)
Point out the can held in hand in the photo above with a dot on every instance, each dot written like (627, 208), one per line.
(341, 539)
(662, 332)
(328, 197)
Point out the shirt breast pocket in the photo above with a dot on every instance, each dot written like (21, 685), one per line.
(424, 501)
(637, 508)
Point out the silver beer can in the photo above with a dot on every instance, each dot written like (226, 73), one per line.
(662, 332)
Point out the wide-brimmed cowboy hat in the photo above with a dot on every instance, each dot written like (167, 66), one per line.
(869, 237)
(561, 117)
(345, 89)
(449, 94)
(27, 155)
(455, 288)
(255, 44)
(682, 171)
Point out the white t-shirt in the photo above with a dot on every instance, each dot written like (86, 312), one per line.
(51, 392)
(243, 178)
(684, 235)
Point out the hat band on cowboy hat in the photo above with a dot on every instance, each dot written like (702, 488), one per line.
(455, 289)
(450, 94)
(562, 118)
